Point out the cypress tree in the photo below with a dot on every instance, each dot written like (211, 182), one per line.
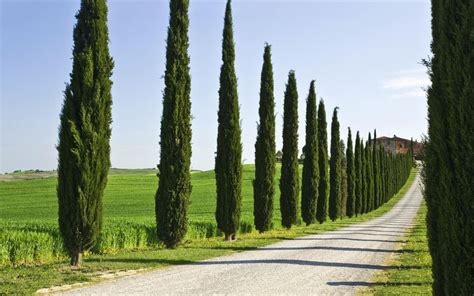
(358, 176)
(343, 167)
(323, 187)
(335, 170)
(372, 171)
(174, 188)
(351, 177)
(310, 182)
(382, 170)
(381, 153)
(228, 167)
(369, 176)
(289, 184)
(387, 175)
(364, 177)
(84, 132)
(263, 185)
(375, 168)
(449, 153)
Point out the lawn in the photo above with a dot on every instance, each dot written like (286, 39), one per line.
(131, 197)
(410, 273)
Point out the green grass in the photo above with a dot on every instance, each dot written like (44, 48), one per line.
(130, 195)
(410, 273)
(125, 191)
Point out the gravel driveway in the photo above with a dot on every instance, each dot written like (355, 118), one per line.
(336, 262)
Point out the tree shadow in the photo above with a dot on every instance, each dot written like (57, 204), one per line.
(391, 226)
(240, 262)
(362, 233)
(372, 284)
(293, 262)
(141, 260)
(234, 248)
(406, 267)
(330, 248)
(375, 230)
(351, 239)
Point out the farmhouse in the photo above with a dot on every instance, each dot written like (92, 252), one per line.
(399, 145)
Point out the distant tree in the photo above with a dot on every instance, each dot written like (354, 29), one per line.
(84, 132)
(289, 184)
(279, 156)
(335, 170)
(301, 158)
(358, 176)
(310, 183)
(323, 188)
(343, 194)
(351, 177)
(228, 167)
(174, 189)
(263, 185)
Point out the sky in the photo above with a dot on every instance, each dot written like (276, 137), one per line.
(364, 56)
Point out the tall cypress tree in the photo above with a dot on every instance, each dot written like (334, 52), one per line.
(351, 177)
(375, 168)
(364, 175)
(449, 154)
(263, 185)
(309, 189)
(335, 170)
(84, 133)
(382, 170)
(228, 167)
(323, 187)
(174, 188)
(369, 176)
(289, 184)
(343, 167)
(358, 176)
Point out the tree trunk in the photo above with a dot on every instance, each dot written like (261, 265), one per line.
(230, 237)
(76, 259)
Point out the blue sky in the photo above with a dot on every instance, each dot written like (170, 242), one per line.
(364, 57)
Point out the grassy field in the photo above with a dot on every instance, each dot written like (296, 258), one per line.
(131, 197)
(410, 273)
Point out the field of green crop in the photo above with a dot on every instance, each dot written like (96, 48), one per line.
(28, 214)
(129, 196)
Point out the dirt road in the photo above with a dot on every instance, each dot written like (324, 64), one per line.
(336, 262)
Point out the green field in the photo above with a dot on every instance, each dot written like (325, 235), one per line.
(28, 211)
(130, 195)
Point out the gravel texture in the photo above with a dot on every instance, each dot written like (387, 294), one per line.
(334, 263)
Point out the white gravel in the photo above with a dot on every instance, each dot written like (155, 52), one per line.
(333, 263)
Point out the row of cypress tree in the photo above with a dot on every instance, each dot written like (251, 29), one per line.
(358, 179)
(346, 188)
